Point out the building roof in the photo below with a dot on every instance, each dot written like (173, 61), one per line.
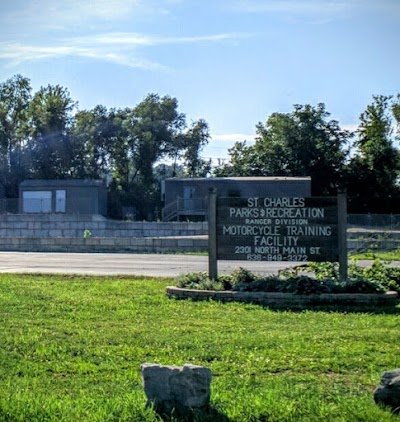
(61, 183)
(238, 179)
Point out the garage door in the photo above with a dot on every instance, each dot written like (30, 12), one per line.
(36, 201)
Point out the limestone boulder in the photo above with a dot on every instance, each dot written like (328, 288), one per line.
(388, 391)
(173, 387)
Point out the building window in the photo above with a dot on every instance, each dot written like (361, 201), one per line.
(36, 201)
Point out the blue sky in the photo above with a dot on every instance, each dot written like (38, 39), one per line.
(231, 62)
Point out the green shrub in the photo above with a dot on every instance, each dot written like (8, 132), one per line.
(376, 278)
(191, 280)
(393, 274)
(388, 278)
(324, 270)
(266, 284)
(299, 285)
(242, 276)
(312, 278)
(359, 285)
(226, 282)
(305, 285)
(198, 281)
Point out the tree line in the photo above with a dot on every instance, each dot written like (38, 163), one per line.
(364, 162)
(43, 135)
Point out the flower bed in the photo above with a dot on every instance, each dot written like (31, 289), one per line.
(310, 285)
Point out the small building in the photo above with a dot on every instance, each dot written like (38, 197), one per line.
(186, 198)
(63, 196)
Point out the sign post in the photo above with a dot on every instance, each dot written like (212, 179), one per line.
(342, 223)
(212, 235)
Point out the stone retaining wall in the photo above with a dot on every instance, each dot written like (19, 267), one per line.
(105, 244)
(95, 233)
(65, 232)
(288, 300)
(74, 225)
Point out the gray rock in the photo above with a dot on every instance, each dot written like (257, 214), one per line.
(172, 387)
(388, 391)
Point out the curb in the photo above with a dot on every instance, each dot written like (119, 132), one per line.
(288, 300)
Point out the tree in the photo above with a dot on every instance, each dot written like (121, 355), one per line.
(374, 169)
(94, 136)
(15, 96)
(301, 143)
(396, 115)
(195, 139)
(41, 138)
(151, 128)
(165, 171)
(240, 162)
(50, 120)
(151, 131)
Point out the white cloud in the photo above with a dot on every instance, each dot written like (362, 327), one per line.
(25, 25)
(16, 53)
(119, 48)
(30, 18)
(62, 14)
(134, 39)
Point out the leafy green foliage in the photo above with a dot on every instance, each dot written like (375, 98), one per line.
(379, 276)
(198, 281)
(194, 141)
(311, 278)
(48, 148)
(384, 255)
(305, 142)
(87, 234)
(378, 273)
(96, 135)
(242, 276)
(301, 143)
(42, 137)
(15, 96)
(374, 169)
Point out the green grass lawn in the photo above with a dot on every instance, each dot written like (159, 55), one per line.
(390, 255)
(71, 349)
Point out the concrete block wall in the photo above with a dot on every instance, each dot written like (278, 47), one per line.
(65, 232)
(105, 244)
(74, 225)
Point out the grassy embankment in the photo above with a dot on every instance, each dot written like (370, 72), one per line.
(71, 347)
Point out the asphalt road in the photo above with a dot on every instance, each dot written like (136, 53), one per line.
(126, 264)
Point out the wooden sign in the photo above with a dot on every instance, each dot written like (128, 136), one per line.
(277, 229)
